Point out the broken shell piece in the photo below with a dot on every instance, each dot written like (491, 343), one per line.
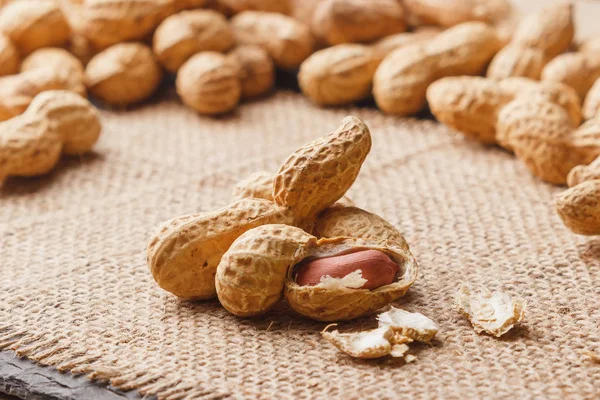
(593, 357)
(495, 313)
(366, 344)
(415, 326)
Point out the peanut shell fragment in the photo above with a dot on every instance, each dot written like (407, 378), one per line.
(415, 326)
(494, 313)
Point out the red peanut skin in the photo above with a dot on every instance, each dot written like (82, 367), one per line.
(377, 268)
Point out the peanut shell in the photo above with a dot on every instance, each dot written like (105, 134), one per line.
(257, 71)
(34, 24)
(184, 252)
(108, 22)
(579, 207)
(591, 105)
(550, 30)
(182, 35)
(55, 122)
(583, 173)
(494, 313)
(319, 173)
(448, 13)
(251, 276)
(517, 60)
(209, 83)
(338, 75)
(123, 74)
(414, 326)
(231, 7)
(356, 21)
(578, 70)
(287, 41)
(9, 56)
(386, 45)
(62, 62)
(259, 185)
(370, 344)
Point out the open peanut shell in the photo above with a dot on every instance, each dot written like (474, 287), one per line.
(261, 265)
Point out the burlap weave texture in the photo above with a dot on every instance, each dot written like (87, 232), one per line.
(75, 291)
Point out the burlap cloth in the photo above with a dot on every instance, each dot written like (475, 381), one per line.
(75, 291)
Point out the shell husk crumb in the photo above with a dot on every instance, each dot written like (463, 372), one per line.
(494, 313)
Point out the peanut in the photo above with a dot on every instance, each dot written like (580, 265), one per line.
(256, 70)
(589, 45)
(538, 38)
(56, 122)
(257, 186)
(259, 264)
(343, 74)
(471, 105)
(34, 24)
(377, 268)
(9, 56)
(401, 80)
(303, 10)
(108, 22)
(448, 13)
(353, 21)
(544, 137)
(44, 69)
(579, 70)
(287, 41)
(591, 104)
(319, 173)
(123, 74)
(182, 35)
(231, 7)
(583, 173)
(579, 207)
(209, 82)
(188, 4)
(184, 252)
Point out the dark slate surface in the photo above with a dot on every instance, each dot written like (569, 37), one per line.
(29, 381)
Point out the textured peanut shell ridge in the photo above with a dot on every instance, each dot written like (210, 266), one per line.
(338, 75)
(356, 21)
(583, 173)
(351, 221)
(258, 185)
(184, 252)
(251, 274)
(543, 136)
(231, 7)
(182, 35)
(494, 313)
(288, 42)
(579, 207)
(9, 56)
(319, 173)
(34, 24)
(401, 80)
(550, 30)
(339, 303)
(469, 105)
(517, 60)
(67, 67)
(257, 71)
(591, 104)
(108, 22)
(71, 117)
(464, 49)
(123, 74)
(209, 82)
(578, 70)
(449, 13)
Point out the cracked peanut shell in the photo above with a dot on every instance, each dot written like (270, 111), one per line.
(260, 266)
(319, 173)
(184, 252)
